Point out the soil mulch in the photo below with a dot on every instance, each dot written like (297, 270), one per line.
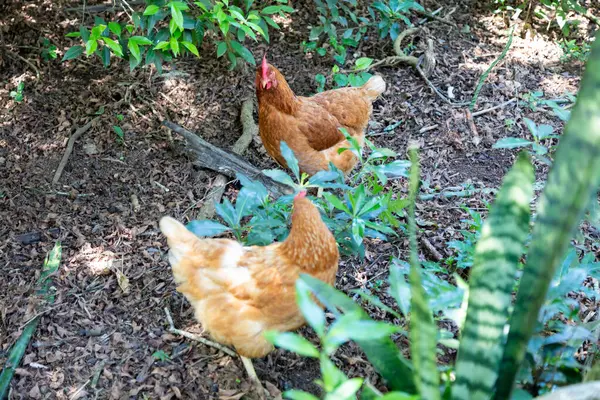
(98, 339)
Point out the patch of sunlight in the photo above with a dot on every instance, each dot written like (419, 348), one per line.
(96, 259)
(283, 21)
(556, 86)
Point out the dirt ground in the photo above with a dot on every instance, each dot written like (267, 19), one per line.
(97, 340)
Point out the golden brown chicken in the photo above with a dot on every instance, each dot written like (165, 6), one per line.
(310, 125)
(240, 292)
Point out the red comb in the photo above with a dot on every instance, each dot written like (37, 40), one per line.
(300, 195)
(265, 67)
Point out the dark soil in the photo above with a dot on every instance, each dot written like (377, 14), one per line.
(98, 338)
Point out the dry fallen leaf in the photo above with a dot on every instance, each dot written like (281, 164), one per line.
(122, 280)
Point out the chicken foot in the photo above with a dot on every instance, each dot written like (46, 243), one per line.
(261, 391)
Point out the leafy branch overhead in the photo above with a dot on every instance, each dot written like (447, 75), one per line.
(164, 30)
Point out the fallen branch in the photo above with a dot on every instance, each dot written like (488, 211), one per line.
(69, 149)
(434, 252)
(249, 130)
(487, 110)
(435, 17)
(26, 61)
(216, 159)
(459, 193)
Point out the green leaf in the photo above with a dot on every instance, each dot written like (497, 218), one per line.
(298, 395)
(177, 15)
(422, 328)
(134, 50)
(73, 34)
(271, 10)
(114, 46)
(337, 203)
(279, 176)
(352, 327)
(151, 9)
(332, 375)
(221, 49)
(141, 40)
(292, 342)
(347, 390)
(399, 289)
(290, 158)
(270, 21)
(362, 63)
(206, 228)
(174, 44)
(491, 281)
(161, 45)
(191, 48)
(313, 314)
(511, 143)
(72, 53)
(243, 52)
(115, 28)
(572, 181)
(50, 267)
(91, 46)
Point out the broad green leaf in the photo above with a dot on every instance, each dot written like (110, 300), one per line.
(134, 50)
(337, 203)
(314, 315)
(115, 28)
(73, 52)
(114, 46)
(73, 34)
(161, 45)
(290, 158)
(191, 48)
(574, 177)
(346, 390)
(491, 282)
(270, 21)
(279, 176)
(177, 15)
(298, 395)
(511, 143)
(243, 52)
(270, 10)
(91, 46)
(140, 40)
(174, 44)
(206, 228)
(352, 327)
(332, 375)
(292, 342)
(544, 130)
(362, 63)
(221, 49)
(151, 9)
(422, 328)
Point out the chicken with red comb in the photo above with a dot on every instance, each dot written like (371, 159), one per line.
(311, 125)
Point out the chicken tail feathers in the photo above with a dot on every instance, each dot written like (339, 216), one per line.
(374, 87)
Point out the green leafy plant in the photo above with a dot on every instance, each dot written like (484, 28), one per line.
(342, 27)
(489, 357)
(573, 51)
(364, 210)
(49, 50)
(168, 29)
(17, 94)
(539, 134)
(160, 355)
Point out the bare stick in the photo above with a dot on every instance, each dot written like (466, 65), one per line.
(434, 252)
(211, 157)
(434, 17)
(69, 149)
(197, 338)
(487, 110)
(249, 130)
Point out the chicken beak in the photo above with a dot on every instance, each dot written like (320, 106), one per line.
(263, 83)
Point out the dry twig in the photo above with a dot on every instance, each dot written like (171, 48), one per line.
(69, 150)
(249, 130)
(197, 338)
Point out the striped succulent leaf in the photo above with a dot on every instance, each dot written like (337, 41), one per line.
(51, 264)
(423, 331)
(574, 178)
(491, 282)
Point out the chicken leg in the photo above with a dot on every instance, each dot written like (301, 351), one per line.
(260, 390)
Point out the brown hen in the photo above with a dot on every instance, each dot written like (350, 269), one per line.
(310, 125)
(240, 292)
